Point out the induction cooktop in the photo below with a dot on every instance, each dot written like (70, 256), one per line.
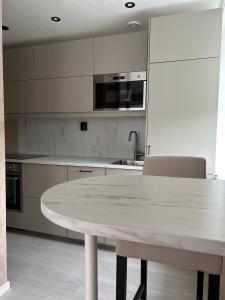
(22, 156)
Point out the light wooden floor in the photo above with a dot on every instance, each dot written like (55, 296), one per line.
(42, 268)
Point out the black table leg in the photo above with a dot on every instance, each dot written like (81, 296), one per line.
(200, 285)
(214, 287)
(144, 272)
(121, 277)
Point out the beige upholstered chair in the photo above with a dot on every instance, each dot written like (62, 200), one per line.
(172, 166)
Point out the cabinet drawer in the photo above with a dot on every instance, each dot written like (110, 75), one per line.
(19, 97)
(123, 172)
(82, 172)
(39, 178)
(34, 220)
(74, 94)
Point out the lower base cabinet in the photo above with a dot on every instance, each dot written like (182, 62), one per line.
(34, 220)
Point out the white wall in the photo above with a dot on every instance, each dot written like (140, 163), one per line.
(220, 145)
(106, 137)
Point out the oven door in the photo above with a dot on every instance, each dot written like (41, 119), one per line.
(118, 92)
(13, 191)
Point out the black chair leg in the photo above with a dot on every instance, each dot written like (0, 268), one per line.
(144, 272)
(200, 285)
(141, 293)
(214, 287)
(121, 277)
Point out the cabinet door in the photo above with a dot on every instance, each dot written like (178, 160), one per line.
(182, 110)
(14, 219)
(19, 97)
(39, 178)
(186, 36)
(18, 64)
(73, 58)
(73, 94)
(123, 172)
(34, 220)
(82, 172)
(120, 53)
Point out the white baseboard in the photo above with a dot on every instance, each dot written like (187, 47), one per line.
(4, 288)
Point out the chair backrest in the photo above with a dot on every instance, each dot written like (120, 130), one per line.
(175, 166)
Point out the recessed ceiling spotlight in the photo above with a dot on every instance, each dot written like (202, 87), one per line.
(134, 24)
(55, 19)
(130, 4)
(5, 27)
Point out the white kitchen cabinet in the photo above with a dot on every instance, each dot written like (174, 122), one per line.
(19, 97)
(72, 94)
(123, 172)
(39, 178)
(82, 172)
(182, 109)
(120, 53)
(72, 58)
(186, 36)
(34, 220)
(18, 64)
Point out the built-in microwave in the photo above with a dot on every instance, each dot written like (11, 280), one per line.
(120, 91)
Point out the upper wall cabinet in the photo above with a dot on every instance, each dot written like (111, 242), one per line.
(19, 97)
(73, 94)
(18, 64)
(73, 58)
(120, 53)
(186, 36)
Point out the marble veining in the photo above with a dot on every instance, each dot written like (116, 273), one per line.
(187, 214)
(106, 137)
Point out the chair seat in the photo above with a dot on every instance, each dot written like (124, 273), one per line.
(195, 261)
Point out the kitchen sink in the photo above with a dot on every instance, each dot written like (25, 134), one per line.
(127, 162)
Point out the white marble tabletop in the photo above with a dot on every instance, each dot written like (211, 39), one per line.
(181, 213)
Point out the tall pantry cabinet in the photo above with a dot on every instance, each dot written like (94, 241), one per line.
(183, 91)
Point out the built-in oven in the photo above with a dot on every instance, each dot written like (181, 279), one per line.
(120, 91)
(14, 186)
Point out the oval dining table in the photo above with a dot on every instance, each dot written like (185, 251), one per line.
(180, 213)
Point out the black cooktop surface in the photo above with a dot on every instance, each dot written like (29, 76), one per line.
(22, 156)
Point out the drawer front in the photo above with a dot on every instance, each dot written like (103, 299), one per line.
(34, 220)
(39, 178)
(123, 172)
(82, 172)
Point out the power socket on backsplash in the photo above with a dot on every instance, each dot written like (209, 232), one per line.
(83, 126)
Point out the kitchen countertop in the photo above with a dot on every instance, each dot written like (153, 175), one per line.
(75, 161)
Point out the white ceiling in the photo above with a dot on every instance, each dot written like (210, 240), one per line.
(29, 20)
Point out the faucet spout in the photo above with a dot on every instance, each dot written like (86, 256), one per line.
(135, 142)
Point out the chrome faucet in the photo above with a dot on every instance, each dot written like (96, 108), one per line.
(136, 152)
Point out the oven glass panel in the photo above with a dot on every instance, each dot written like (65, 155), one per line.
(13, 192)
(119, 95)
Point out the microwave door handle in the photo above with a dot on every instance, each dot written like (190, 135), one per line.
(144, 94)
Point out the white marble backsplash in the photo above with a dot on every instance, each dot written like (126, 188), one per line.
(105, 137)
